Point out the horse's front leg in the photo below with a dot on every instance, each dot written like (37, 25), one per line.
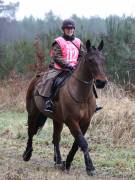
(88, 161)
(81, 142)
(75, 147)
(57, 128)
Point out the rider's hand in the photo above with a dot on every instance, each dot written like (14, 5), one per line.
(71, 67)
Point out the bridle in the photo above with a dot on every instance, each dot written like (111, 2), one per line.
(87, 83)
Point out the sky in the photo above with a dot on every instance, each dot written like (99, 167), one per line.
(82, 8)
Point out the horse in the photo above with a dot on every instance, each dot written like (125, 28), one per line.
(74, 106)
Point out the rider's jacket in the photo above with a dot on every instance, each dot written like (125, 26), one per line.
(69, 50)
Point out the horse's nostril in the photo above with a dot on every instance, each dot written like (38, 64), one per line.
(100, 84)
(105, 82)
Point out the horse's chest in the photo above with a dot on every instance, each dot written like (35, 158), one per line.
(84, 113)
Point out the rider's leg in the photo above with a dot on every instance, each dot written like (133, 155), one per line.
(49, 100)
(58, 81)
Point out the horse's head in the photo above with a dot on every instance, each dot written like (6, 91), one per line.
(96, 62)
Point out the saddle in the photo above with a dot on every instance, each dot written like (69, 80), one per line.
(51, 83)
(59, 82)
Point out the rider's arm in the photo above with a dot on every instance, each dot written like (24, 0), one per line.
(57, 56)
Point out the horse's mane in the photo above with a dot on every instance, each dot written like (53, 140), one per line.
(93, 47)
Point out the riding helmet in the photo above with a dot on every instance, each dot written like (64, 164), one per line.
(68, 23)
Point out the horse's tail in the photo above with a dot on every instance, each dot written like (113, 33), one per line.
(40, 121)
(36, 120)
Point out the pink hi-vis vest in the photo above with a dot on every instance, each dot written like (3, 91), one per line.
(69, 51)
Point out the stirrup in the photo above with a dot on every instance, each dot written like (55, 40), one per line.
(98, 108)
(48, 106)
(48, 110)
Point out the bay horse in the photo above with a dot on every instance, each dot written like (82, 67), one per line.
(75, 105)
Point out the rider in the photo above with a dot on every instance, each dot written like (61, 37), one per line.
(65, 52)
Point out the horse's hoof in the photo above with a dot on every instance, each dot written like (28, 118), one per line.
(27, 155)
(91, 172)
(58, 161)
(58, 165)
(64, 167)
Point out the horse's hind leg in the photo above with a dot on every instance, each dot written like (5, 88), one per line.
(57, 128)
(31, 131)
(35, 122)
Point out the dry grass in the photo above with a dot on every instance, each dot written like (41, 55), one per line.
(12, 94)
(114, 124)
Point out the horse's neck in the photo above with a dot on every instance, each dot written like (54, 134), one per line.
(82, 71)
(80, 83)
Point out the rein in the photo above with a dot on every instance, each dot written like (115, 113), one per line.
(75, 99)
(87, 83)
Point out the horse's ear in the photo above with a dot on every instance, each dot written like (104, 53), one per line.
(101, 45)
(88, 45)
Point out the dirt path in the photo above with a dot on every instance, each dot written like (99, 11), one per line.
(12, 167)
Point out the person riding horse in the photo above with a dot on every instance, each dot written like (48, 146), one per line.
(74, 105)
(65, 52)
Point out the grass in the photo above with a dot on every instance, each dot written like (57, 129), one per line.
(110, 161)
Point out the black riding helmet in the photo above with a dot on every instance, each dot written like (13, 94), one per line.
(68, 23)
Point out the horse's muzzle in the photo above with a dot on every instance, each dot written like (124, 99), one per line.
(100, 84)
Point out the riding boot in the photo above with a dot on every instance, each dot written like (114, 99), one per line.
(48, 105)
(49, 100)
